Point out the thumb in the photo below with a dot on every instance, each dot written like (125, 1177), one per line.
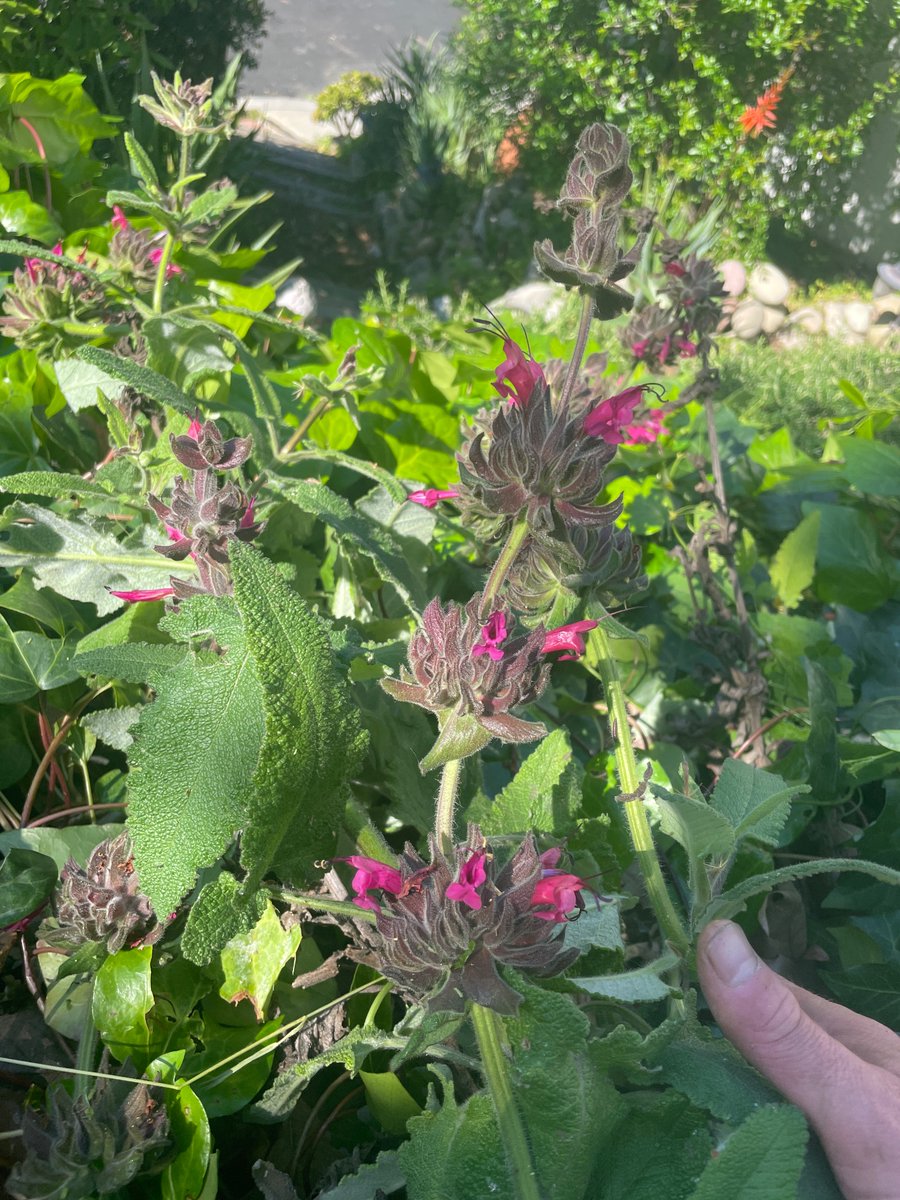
(760, 1014)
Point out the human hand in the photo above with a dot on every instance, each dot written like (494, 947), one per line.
(841, 1069)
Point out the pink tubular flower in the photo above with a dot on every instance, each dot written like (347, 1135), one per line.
(429, 497)
(646, 432)
(155, 256)
(551, 857)
(568, 638)
(557, 895)
(119, 220)
(370, 873)
(687, 349)
(610, 416)
(517, 374)
(674, 268)
(139, 594)
(492, 635)
(639, 349)
(194, 429)
(471, 876)
(247, 519)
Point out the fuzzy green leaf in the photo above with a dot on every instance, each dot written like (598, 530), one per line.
(755, 802)
(134, 662)
(219, 913)
(195, 750)
(642, 984)
(313, 736)
(76, 558)
(534, 799)
(142, 379)
(80, 382)
(659, 1150)
(793, 567)
(380, 1178)
(364, 535)
(694, 824)
(762, 1160)
(55, 484)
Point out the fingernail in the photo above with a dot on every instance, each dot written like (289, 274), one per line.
(731, 956)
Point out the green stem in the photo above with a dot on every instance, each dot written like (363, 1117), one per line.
(492, 1048)
(635, 812)
(343, 908)
(501, 568)
(446, 804)
(79, 329)
(87, 1050)
(584, 329)
(184, 166)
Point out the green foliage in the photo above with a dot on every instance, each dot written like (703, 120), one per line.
(679, 80)
(762, 1160)
(26, 880)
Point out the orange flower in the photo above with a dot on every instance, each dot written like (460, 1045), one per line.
(761, 116)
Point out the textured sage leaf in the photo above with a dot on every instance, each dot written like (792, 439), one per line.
(659, 1150)
(55, 484)
(754, 802)
(364, 535)
(26, 880)
(76, 558)
(313, 736)
(142, 379)
(121, 1000)
(694, 824)
(196, 747)
(380, 1178)
(134, 662)
(219, 913)
(793, 566)
(252, 961)
(532, 800)
(596, 927)
(642, 984)
(762, 1160)
(112, 726)
(80, 382)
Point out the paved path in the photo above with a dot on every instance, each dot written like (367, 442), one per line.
(309, 43)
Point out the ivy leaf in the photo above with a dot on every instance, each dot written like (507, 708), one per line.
(872, 989)
(793, 567)
(26, 880)
(755, 802)
(762, 1160)
(195, 750)
(75, 558)
(121, 1000)
(21, 215)
(252, 961)
(313, 736)
(364, 535)
(31, 663)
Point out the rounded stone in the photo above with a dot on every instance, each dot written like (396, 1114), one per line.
(734, 273)
(809, 319)
(886, 304)
(298, 297)
(773, 318)
(747, 319)
(883, 336)
(769, 285)
(889, 273)
(857, 316)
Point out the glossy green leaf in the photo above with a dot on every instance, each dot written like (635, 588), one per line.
(872, 989)
(32, 663)
(873, 467)
(24, 217)
(189, 1129)
(121, 1001)
(252, 961)
(74, 841)
(389, 1101)
(26, 880)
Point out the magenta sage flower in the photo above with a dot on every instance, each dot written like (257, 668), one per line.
(471, 876)
(429, 497)
(568, 638)
(371, 875)
(687, 349)
(119, 220)
(492, 635)
(155, 256)
(644, 433)
(518, 374)
(557, 895)
(137, 595)
(609, 417)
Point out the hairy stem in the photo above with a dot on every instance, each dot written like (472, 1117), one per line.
(493, 1050)
(635, 813)
(184, 166)
(501, 568)
(584, 329)
(446, 804)
(87, 1050)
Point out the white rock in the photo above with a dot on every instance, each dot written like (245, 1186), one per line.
(530, 298)
(298, 297)
(769, 285)
(889, 273)
(886, 304)
(747, 319)
(883, 336)
(773, 318)
(735, 275)
(857, 316)
(809, 319)
(836, 323)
